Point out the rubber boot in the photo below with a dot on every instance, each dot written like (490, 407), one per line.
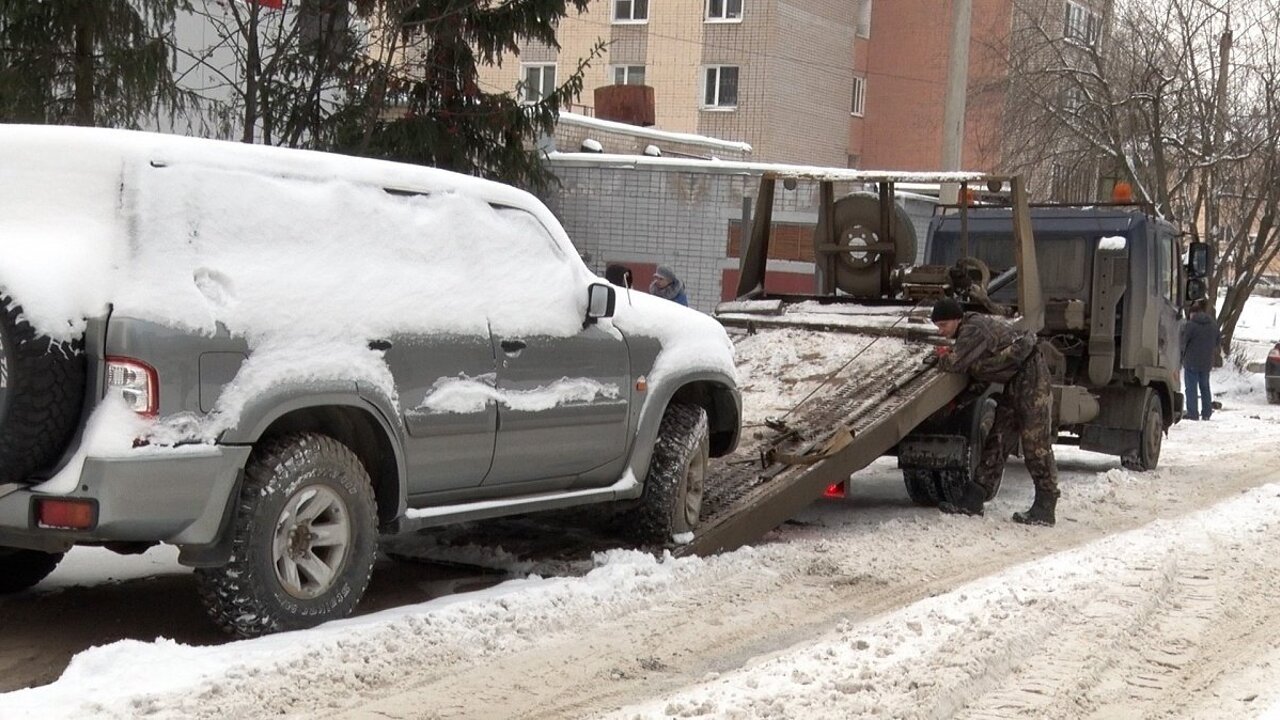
(970, 502)
(1041, 512)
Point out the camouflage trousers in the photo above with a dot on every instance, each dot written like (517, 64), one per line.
(1024, 411)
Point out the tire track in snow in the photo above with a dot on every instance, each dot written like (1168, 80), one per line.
(1114, 626)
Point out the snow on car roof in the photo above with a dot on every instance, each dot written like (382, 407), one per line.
(77, 206)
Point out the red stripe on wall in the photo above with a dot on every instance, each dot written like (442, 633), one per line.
(774, 282)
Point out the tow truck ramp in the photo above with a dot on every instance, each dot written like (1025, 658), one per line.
(853, 417)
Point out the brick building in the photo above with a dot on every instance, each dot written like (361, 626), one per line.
(839, 83)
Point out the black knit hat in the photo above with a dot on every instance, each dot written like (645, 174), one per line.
(946, 309)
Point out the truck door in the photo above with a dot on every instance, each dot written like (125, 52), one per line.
(1167, 304)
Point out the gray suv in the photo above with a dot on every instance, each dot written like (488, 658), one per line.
(272, 358)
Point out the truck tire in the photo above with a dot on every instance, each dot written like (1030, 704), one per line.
(923, 486)
(42, 385)
(304, 543)
(21, 569)
(1150, 438)
(673, 489)
(1273, 397)
(927, 487)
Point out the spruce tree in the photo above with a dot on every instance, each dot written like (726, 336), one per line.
(418, 100)
(85, 62)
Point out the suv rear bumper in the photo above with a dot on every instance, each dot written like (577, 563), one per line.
(179, 498)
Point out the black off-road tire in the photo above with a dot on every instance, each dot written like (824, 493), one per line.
(1150, 438)
(928, 487)
(42, 386)
(249, 596)
(1273, 397)
(21, 569)
(673, 489)
(922, 486)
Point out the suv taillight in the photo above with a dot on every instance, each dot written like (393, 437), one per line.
(136, 382)
(1274, 355)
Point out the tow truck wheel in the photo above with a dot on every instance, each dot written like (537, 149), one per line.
(305, 539)
(1151, 436)
(927, 487)
(922, 486)
(21, 569)
(673, 489)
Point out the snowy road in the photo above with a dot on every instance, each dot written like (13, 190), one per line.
(1153, 596)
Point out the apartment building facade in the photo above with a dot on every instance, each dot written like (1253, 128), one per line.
(776, 74)
(842, 83)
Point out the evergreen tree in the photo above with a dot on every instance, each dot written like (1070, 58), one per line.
(417, 98)
(85, 62)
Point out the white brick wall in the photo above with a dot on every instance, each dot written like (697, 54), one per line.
(678, 218)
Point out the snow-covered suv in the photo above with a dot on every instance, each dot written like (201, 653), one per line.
(268, 358)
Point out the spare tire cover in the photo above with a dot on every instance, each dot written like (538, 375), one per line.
(42, 386)
(857, 221)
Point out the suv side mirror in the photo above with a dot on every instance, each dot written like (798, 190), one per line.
(601, 300)
(1196, 290)
(1198, 261)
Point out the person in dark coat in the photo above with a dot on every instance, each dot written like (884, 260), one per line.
(619, 275)
(665, 284)
(990, 349)
(1200, 338)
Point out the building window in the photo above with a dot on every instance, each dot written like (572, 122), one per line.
(721, 87)
(628, 74)
(1072, 99)
(539, 82)
(864, 19)
(724, 10)
(630, 11)
(1083, 25)
(859, 96)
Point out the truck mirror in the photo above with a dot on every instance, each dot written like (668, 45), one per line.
(1196, 290)
(600, 302)
(1198, 260)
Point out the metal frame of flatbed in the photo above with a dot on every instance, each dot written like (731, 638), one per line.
(907, 397)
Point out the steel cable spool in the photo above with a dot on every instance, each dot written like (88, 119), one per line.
(857, 225)
(977, 270)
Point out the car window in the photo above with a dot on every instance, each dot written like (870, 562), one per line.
(265, 253)
(529, 226)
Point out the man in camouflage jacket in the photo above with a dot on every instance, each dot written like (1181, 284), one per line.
(990, 349)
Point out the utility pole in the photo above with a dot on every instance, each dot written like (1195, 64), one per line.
(953, 109)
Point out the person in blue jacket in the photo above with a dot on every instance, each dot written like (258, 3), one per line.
(1200, 338)
(665, 284)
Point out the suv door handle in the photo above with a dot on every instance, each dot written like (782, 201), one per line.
(379, 344)
(513, 346)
